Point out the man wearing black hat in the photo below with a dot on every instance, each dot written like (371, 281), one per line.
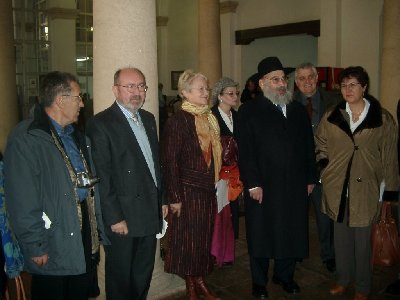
(277, 165)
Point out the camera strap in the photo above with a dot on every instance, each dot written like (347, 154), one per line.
(90, 197)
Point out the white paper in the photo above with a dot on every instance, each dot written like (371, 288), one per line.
(222, 194)
(381, 190)
(47, 222)
(163, 231)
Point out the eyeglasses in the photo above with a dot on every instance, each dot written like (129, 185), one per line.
(79, 97)
(202, 90)
(350, 85)
(304, 78)
(276, 80)
(232, 93)
(130, 87)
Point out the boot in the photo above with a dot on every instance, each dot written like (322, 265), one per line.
(204, 290)
(191, 288)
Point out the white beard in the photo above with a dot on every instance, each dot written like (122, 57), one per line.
(276, 98)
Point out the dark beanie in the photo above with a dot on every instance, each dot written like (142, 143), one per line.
(269, 64)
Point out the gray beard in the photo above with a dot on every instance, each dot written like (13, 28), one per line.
(277, 99)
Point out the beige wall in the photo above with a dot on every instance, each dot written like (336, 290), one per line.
(350, 35)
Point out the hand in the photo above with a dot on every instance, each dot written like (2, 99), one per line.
(40, 260)
(120, 228)
(310, 188)
(257, 194)
(176, 208)
(164, 209)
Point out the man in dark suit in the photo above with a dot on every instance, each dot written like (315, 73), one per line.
(316, 102)
(277, 167)
(125, 153)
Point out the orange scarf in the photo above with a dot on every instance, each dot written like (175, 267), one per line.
(207, 130)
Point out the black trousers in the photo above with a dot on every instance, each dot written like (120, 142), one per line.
(324, 226)
(235, 217)
(129, 264)
(68, 287)
(283, 269)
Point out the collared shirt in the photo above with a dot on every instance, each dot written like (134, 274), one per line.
(141, 136)
(354, 125)
(282, 108)
(227, 119)
(316, 105)
(72, 151)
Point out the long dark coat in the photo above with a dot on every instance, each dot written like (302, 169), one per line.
(190, 181)
(277, 154)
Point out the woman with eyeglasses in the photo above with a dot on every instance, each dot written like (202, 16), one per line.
(225, 97)
(191, 162)
(357, 152)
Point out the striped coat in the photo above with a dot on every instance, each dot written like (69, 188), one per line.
(187, 180)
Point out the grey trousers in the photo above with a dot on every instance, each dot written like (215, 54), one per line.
(353, 256)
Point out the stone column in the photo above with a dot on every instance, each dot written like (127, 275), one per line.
(390, 61)
(62, 35)
(209, 40)
(128, 38)
(231, 58)
(9, 103)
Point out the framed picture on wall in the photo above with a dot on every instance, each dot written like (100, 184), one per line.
(174, 79)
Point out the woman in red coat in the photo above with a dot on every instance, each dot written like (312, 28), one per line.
(191, 161)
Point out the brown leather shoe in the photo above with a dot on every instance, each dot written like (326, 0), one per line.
(191, 288)
(337, 290)
(359, 296)
(204, 290)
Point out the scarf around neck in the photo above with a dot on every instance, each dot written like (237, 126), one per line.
(208, 133)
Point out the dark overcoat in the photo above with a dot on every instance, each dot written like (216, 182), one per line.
(277, 154)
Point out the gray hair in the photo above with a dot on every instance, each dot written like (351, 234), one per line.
(186, 79)
(220, 86)
(54, 84)
(306, 65)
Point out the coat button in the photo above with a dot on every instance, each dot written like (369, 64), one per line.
(72, 233)
(359, 179)
(356, 147)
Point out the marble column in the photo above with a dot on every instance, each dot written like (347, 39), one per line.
(209, 40)
(62, 35)
(231, 66)
(9, 103)
(390, 59)
(128, 38)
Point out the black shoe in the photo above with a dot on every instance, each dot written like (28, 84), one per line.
(393, 289)
(290, 287)
(259, 291)
(330, 265)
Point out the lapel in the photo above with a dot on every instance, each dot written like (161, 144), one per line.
(132, 142)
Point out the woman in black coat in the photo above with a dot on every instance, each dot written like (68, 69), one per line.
(225, 98)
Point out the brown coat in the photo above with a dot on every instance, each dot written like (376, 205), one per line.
(359, 161)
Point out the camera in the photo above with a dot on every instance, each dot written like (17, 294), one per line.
(85, 180)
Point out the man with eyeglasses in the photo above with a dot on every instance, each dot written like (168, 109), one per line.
(125, 153)
(316, 101)
(51, 194)
(277, 166)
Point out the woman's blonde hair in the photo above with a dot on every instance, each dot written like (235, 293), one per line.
(186, 79)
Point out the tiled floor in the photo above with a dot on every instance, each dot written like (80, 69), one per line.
(234, 282)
